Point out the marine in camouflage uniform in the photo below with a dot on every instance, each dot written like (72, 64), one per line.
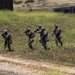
(8, 40)
(57, 31)
(43, 36)
(31, 36)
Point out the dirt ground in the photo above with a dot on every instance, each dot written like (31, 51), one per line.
(61, 1)
(42, 5)
(18, 66)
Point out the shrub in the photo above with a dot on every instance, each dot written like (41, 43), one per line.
(29, 1)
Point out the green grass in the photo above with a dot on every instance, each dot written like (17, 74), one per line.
(16, 23)
(56, 72)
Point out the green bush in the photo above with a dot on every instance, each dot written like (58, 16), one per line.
(29, 1)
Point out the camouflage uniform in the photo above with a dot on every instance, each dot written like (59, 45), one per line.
(8, 40)
(31, 36)
(43, 36)
(38, 30)
(57, 31)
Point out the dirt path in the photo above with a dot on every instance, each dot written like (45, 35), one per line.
(17, 66)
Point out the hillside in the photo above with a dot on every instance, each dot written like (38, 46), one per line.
(41, 4)
(53, 61)
(16, 23)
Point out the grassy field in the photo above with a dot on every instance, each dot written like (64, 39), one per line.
(16, 23)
